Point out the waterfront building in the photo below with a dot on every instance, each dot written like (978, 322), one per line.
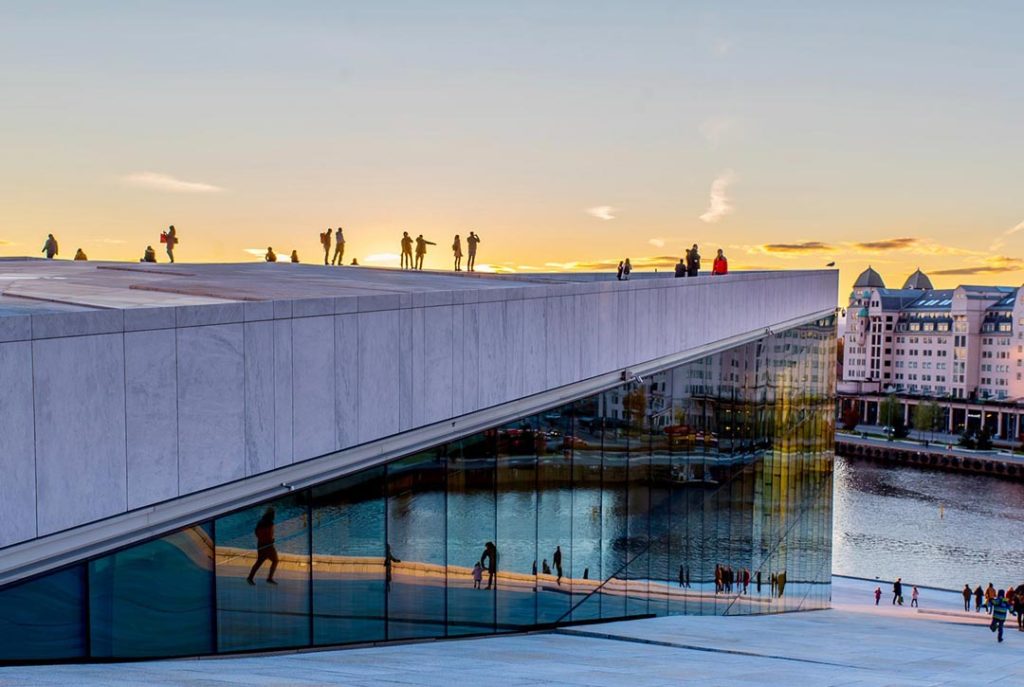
(174, 438)
(964, 346)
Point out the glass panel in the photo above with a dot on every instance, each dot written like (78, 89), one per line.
(586, 510)
(474, 557)
(415, 557)
(44, 618)
(349, 517)
(517, 524)
(554, 516)
(154, 599)
(263, 570)
(614, 473)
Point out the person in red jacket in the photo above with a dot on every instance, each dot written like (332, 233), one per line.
(721, 265)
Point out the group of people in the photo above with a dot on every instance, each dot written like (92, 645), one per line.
(408, 263)
(689, 266)
(997, 603)
(170, 238)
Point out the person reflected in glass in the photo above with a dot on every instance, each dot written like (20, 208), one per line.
(265, 549)
(478, 574)
(489, 562)
(544, 567)
(557, 560)
(389, 559)
(967, 597)
(782, 583)
(757, 581)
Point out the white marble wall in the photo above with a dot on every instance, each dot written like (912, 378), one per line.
(114, 410)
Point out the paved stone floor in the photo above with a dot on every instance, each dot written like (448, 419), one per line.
(853, 644)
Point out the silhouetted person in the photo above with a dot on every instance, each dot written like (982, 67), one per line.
(627, 267)
(80, 255)
(693, 263)
(680, 268)
(897, 591)
(557, 560)
(172, 240)
(354, 263)
(389, 558)
(757, 581)
(295, 256)
(489, 562)
(682, 577)
(471, 243)
(979, 594)
(339, 248)
(990, 597)
(265, 550)
(967, 597)
(271, 256)
(618, 271)
(721, 265)
(544, 567)
(50, 247)
(457, 252)
(149, 255)
(406, 251)
(781, 582)
(586, 573)
(421, 250)
(534, 567)
(325, 241)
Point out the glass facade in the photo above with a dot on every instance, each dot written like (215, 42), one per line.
(702, 489)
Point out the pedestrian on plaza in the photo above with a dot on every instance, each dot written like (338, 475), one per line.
(990, 597)
(406, 251)
(171, 239)
(897, 591)
(720, 265)
(1018, 607)
(295, 256)
(913, 597)
(339, 248)
(979, 594)
(50, 247)
(421, 250)
(693, 263)
(265, 549)
(626, 269)
(680, 268)
(149, 255)
(557, 560)
(471, 242)
(618, 272)
(457, 252)
(271, 256)
(325, 241)
(967, 597)
(999, 610)
(878, 595)
(80, 255)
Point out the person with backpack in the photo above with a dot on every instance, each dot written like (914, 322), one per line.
(693, 262)
(999, 610)
(171, 239)
(325, 241)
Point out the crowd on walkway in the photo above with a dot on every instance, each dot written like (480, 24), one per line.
(997, 603)
(688, 265)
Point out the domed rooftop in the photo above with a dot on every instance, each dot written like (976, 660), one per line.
(918, 280)
(870, 279)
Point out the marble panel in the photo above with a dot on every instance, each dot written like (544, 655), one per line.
(260, 413)
(468, 365)
(346, 379)
(80, 429)
(15, 328)
(405, 361)
(378, 374)
(17, 444)
(313, 399)
(457, 364)
(139, 319)
(211, 406)
(214, 313)
(284, 450)
(535, 351)
(151, 415)
(258, 310)
(417, 362)
(515, 356)
(436, 398)
(52, 325)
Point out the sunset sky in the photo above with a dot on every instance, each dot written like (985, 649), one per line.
(566, 134)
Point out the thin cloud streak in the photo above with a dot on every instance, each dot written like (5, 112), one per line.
(1001, 239)
(602, 212)
(992, 265)
(657, 242)
(165, 182)
(887, 244)
(719, 204)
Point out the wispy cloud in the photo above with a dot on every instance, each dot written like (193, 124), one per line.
(255, 251)
(789, 249)
(649, 262)
(381, 257)
(887, 244)
(1000, 240)
(719, 204)
(992, 265)
(714, 129)
(657, 242)
(604, 212)
(165, 182)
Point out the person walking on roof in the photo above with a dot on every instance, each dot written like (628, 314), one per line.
(897, 591)
(171, 238)
(339, 248)
(693, 262)
(721, 264)
(457, 252)
(50, 247)
(406, 251)
(421, 250)
(471, 242)
(325, 241)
